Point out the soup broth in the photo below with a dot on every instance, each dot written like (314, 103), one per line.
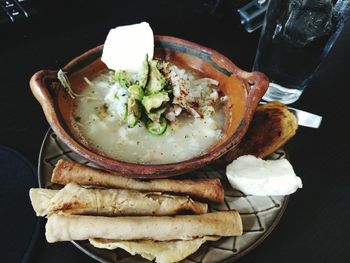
(98, 123)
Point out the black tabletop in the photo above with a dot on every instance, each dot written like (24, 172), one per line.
(316, 223)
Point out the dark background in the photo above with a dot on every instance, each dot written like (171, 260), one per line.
(315, 226)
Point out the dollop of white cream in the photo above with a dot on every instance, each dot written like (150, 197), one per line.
(255, 176)
(126, 47)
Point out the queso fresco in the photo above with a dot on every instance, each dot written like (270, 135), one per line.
(162, 114)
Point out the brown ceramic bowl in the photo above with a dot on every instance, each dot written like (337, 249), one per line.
(244, 90)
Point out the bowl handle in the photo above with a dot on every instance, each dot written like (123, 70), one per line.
(257, 84)
(40, 83)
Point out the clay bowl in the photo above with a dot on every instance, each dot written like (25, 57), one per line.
(244, 90)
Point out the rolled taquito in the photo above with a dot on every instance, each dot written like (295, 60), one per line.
(77, 200)
(161, 228)
(40, 199)
(66, 172)
(158, 251)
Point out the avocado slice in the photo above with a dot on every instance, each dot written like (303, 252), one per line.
(143, 75)
(156, 81)
(154, 101)
(136, 92)
(122, 78)
(157, 128)
(134, 112)
(155, 116)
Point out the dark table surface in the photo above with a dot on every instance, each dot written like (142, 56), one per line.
(316, 223)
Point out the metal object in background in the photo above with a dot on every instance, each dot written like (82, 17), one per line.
(252, 14)
(305, 118)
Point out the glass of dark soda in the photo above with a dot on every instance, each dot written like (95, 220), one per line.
(297, 35)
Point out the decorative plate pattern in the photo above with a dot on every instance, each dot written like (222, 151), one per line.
(260, 214)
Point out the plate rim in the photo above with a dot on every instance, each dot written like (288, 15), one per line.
(227, 260)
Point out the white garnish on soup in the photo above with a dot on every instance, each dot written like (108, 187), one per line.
(126, 47)
(255, 176)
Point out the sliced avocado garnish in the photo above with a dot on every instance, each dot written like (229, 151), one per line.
(156, 81)
(126, 113)
(147, 97)
(134, 112)
(157, 127)
(143, 76)
(155, 116)
(122, 78)
(136, 92)
(154, 101)
(132, 121)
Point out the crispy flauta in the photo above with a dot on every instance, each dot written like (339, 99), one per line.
(40, 199)
(159, 251)
(271, 127)
(160, 228)
(77, 200)
(66, 172)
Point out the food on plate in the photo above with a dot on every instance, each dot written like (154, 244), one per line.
(271, 127)
(160, 251)
(66, 171)
(151, 224)
(77, 200)
(149, 111)
(255, 176)
(145, 110)
(160, 228)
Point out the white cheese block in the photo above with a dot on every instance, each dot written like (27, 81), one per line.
(254, 176)
(126, 47)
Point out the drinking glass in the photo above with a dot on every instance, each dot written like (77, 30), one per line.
(297, 35)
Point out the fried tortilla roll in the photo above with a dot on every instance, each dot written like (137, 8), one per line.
(161, 228)
(159, 251)
(40, 199)
(201, 189)
(77, 200)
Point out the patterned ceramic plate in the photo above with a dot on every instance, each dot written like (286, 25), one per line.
(259, 214)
